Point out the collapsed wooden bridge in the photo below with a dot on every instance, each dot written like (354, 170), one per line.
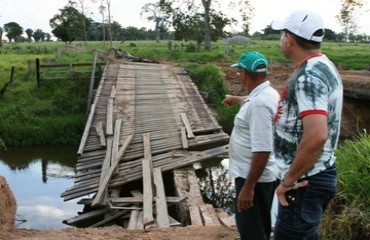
(146, 120)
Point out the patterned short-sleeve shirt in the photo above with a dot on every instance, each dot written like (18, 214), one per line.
(314, 88)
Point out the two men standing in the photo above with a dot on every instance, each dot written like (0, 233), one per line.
(305, 136)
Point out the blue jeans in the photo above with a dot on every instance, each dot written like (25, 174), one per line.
(301, 219)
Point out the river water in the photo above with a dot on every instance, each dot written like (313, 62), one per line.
(37, 176)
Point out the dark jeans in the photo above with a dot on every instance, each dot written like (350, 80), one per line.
(255, 223)
(301, 219)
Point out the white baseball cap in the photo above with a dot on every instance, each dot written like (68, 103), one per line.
(302, 23)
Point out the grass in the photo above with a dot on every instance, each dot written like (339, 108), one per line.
(24, 106)
(348, 215)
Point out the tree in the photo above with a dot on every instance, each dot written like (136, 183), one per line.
(29, 33)
(330, 35)
(346, 16)
(207, 23)
(39, 35)
(160, 13)
(48, 37)
(68, 25)
(246, 12)
(1, 39)
(13, 30)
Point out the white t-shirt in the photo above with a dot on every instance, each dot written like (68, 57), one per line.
(253, 132)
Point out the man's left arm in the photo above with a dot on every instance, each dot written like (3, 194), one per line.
(246, 195)
(315, 134)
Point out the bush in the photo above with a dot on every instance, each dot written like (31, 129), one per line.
(348, 215)
(209, 78)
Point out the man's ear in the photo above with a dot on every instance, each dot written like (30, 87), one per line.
(290, 39)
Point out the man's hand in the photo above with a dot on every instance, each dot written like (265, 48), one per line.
(281, 190)
(245, 199)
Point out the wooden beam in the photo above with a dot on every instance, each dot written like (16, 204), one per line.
(195, 217)
(108, 175)
(87, 130)
(140, 199)
(100, 132)
(184, 139)
(147, 181)
(85, 216)
(116, 136)
(209, 215)
(109, 130)
(224, 218)
(113, 92)
(187, 125)
(110, 218)
(160, 199)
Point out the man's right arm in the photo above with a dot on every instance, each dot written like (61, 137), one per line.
(230, 100)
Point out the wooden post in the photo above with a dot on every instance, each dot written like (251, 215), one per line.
(11, 74)
(91, 86)
(38, 75)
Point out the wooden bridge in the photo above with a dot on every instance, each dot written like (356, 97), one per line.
(145, 120)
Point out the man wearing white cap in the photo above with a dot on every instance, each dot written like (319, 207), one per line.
(306, 128)
(252, 165)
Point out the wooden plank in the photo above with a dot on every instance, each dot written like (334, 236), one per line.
(113, 92)
(86, 130)
(86, 216)
(184, 139)
(110, 218)
(116, 136)
(174, 222)
(209, 215)
(140, 199)
(133, 220)
(109, 126)
(195, 217)
(161, 205)
(147, 181)
(195, 197)
(224, 218)
(139, 224)
(100, 132)
(105, 168)
(187, 125)
(108, 175)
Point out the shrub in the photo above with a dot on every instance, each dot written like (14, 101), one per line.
(348, 215)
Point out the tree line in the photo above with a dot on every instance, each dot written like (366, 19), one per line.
(200, 21)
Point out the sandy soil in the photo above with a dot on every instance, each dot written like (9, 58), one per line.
(119, 233)
(278, 75)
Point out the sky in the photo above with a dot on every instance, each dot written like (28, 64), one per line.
(36, 14)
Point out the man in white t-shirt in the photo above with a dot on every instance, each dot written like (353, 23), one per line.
(306, 129)
(251, 143)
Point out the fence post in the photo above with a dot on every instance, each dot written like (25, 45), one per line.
(89, 96)
(11, 74)
(38, 77)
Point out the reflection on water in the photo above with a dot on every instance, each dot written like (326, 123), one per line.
(37, 176)
(218, 189)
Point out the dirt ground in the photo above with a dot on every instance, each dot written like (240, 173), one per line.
(278, 74)
(119, 233)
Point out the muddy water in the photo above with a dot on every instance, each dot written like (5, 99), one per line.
(37, 176)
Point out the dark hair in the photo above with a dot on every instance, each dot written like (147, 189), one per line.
(257, 75)
(307, 44)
